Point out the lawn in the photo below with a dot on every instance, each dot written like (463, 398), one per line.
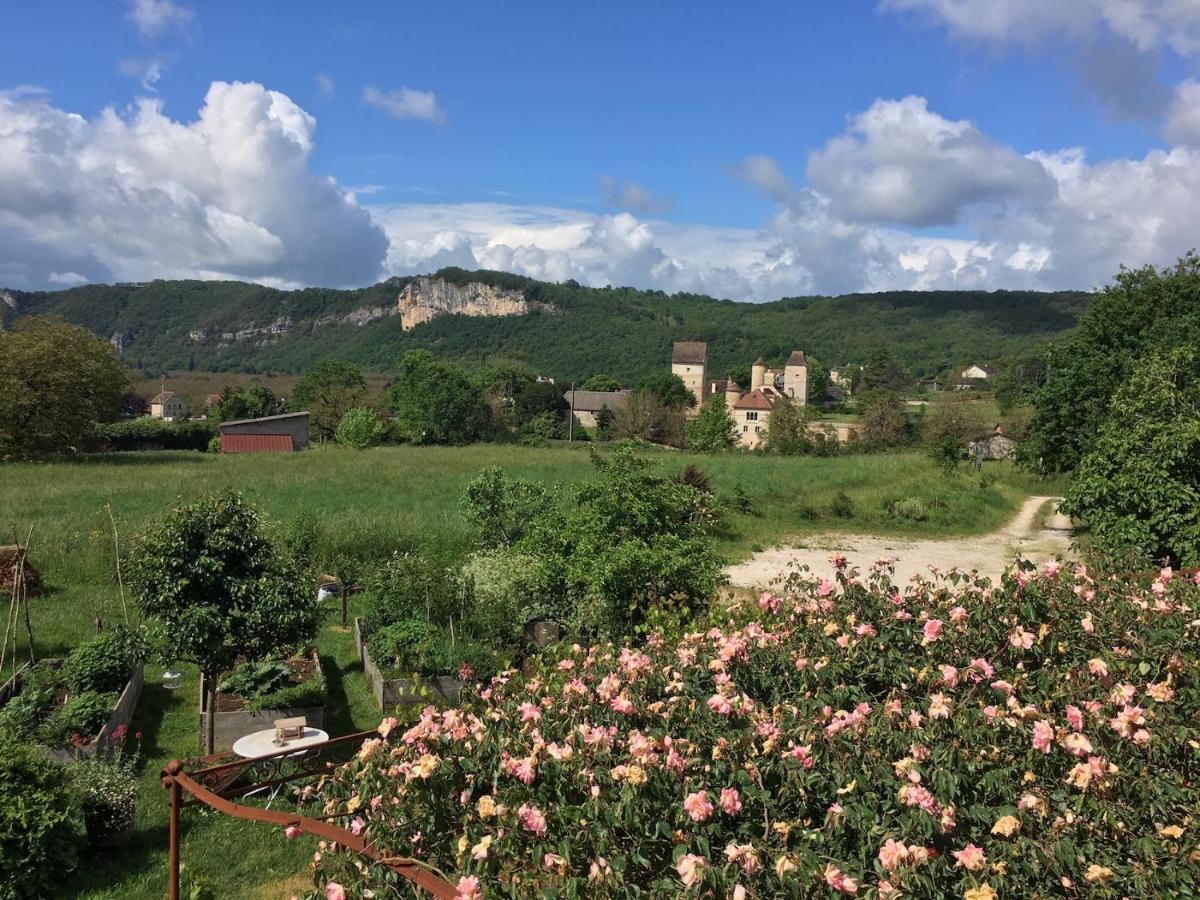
(366, 504)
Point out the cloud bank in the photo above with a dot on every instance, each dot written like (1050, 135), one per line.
(133, 194)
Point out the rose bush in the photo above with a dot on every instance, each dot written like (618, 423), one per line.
(943, 738)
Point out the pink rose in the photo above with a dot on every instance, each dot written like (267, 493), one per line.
(731, 801)
(691, 869)
(468, 888)
(970, 857)
(932, 631)
(334, 891)
(697, 806)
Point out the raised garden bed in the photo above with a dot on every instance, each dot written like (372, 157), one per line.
(237, 717)
(120, 718)
(392, 692)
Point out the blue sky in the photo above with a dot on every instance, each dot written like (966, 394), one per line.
(749, 151)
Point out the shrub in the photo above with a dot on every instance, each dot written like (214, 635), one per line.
(842, 506)
(103, 663)
(546, 426)
(146, 433)
(509, 589)
(41, 823)
(109, 788)
(360, 428)
(79, 719)
(413, 586)
(910, 508)
(946, 737)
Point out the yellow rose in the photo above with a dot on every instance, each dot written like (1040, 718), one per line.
(983, 892)
(1171, 831)
(1098, 874)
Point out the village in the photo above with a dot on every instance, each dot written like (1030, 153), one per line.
(830, 418)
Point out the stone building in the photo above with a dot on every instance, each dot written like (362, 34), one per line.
(584, 405)
(688, 359)
(170, 406)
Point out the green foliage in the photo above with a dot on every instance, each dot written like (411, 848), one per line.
(882, 372)
(713, 428)
(604, 423)
(56, 380)
(622, 331)
(360, 428)
(885, 423)
(538, 400)
(501, 508)
(947, 453)
(601, 382)
(79, 719)
(145, 433)
(41, 823)
(547, 426)
(842, 506)
(416, 647)
(210, 576)
(414, 586)
(328, 391)
(509, 588)
(787, 432)
(103, 663)
(910, 508)
(252, 402)
(1143, 312)
(436, 402)
(1019, 380)
(955, 417)
(254, 679)
(1138, 486)
(668, 388)
(271, 684)
(818, 381)
(624, 542)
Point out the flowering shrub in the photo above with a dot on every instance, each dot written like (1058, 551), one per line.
(944, 738)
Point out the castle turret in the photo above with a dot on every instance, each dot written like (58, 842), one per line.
(795, 377)
(688, 359)
(758, 374)
(733, 393)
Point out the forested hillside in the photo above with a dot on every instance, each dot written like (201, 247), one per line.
(234, 326)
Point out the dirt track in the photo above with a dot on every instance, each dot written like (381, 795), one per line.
(990, 553)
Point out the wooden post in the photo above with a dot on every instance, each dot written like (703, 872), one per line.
(176, 800)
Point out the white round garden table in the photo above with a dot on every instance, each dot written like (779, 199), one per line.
(262, 743)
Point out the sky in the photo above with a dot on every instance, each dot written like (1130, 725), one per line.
(748, 151)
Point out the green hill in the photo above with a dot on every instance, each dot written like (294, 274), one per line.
(234, 326)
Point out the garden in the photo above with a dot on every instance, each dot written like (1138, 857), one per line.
(487, 555)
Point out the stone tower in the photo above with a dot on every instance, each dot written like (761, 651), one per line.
(795, 377)
(758, 374)
(688, 359)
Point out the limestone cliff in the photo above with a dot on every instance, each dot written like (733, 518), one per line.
(426, 298)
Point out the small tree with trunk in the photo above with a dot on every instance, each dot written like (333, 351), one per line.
(212, 580)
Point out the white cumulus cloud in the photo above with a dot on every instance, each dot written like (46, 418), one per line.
(154, 17)
(903, 164)
(134, 195)
(405, 103)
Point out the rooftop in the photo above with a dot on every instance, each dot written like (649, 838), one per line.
(690, 353)
(266, 418)
(755, 399)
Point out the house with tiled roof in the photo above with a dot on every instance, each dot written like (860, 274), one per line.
(170, 406)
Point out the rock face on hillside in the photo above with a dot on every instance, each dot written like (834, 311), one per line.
(424, 299)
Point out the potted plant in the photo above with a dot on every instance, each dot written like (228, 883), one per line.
(109, 789)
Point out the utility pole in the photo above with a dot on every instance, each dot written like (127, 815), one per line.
(571, 419)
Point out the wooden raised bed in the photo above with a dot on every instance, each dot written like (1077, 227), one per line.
(122, 714)
(232, 724)
(392, 692)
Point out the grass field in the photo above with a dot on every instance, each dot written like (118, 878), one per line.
(369, 503)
